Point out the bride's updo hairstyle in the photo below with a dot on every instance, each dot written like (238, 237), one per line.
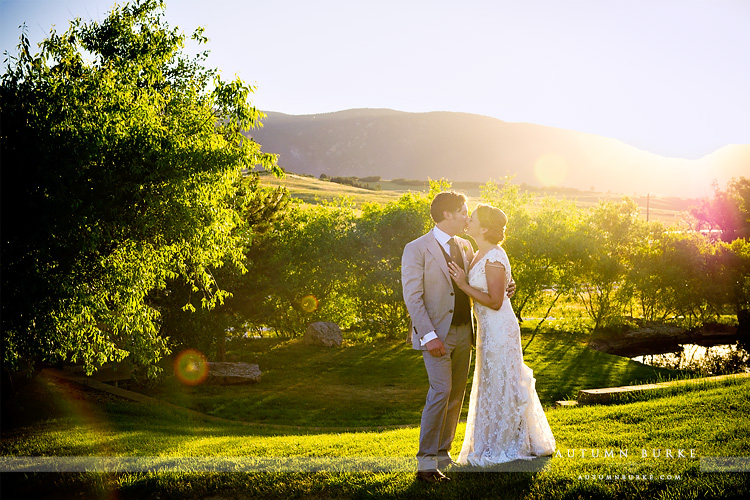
(494, 220)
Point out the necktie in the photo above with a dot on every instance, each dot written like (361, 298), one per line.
(455, 252)
(462, 314)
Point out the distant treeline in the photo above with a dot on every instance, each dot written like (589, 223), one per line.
(410, 182)
(458, 185)
(354, 181)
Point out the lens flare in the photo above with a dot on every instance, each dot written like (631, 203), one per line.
(308, 303)
(551, 170)
(191, 367)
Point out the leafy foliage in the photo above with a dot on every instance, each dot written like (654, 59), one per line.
(605, 261)
(121, 162)
(540, 246)
(608, 236)
(327, 262)
(132, 223)
(183, 319)
(382, 232)
(301, 266)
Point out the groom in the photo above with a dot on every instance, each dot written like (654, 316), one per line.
(441, 327)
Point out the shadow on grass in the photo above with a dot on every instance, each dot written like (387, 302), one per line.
(484, 484)
(562, 369)
(377, 384)
(381, 384)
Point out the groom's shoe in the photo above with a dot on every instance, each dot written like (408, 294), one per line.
(432, 476)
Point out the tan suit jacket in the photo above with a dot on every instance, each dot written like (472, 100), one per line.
(428, 287)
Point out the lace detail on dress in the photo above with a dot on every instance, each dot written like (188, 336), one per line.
(506, 420)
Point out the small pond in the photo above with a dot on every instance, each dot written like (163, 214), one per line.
(715, 359)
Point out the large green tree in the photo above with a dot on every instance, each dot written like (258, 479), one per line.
(604, 243)
(185, 321)
(121, 161)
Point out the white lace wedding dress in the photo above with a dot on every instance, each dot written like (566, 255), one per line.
(506, 420)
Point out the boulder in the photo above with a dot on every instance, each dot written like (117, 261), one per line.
(233, 373)
(323, 333)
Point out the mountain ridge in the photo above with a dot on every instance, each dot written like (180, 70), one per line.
(459, 146)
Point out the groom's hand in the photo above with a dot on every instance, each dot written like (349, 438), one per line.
(436, 347)
(511, 289)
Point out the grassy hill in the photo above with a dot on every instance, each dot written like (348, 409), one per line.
(313, 190)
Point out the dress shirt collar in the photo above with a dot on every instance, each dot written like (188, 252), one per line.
(442, 237)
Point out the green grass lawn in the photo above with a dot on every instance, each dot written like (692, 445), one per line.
(379, 384)
(363, 386)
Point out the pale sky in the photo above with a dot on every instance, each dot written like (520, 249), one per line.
(667, 76)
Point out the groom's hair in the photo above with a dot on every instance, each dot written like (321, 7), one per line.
(447, 201)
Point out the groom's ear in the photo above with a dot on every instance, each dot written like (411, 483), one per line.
(453, 214)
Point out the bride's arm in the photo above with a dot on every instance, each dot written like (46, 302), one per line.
(495, 284)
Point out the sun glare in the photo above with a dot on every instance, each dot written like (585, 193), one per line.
(551, 169)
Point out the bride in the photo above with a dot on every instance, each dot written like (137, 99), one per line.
(506, 420)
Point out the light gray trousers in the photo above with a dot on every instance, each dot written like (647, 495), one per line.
(448, 375)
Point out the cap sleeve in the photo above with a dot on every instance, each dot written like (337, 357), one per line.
(498, 256)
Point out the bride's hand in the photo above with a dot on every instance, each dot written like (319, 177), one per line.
(458, 274)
